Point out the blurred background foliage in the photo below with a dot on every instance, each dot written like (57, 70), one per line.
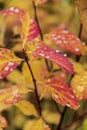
(50, 15)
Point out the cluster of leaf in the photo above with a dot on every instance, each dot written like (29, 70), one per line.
(49, 64)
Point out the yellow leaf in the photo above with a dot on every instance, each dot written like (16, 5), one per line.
(27, 108)
(39, 70)
(51, 117)
(78, 68)
(15, 77)
(38, 124)
(79, 85)
(82, 6)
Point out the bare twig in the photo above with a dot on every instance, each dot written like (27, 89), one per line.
(33, 78)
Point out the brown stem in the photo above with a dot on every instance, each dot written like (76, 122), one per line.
(80, 30)
(79, 35)
(33, 78)
(36, 18)
(41, 34)
(62, 117)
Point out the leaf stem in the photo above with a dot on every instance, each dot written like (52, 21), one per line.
(36, 18)
(41, 34)
(80, 30)
(62, 117)
(79, 35)
(34, 80)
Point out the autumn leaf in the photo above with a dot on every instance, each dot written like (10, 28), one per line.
(38, 124)
(82, 7)
(8, 62)
(67, 41)
(44, 51)
(11, 95)
(79, 85)
(61, 92)
(29, 28)
(27, 108)
(3, 122)
(15, 77)
(78, 68)
(51, 117)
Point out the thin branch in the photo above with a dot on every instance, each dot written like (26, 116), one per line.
(79, 35)
(36, 18)
(80, 31)
(62, 117)
(33, 78)
(41, 34)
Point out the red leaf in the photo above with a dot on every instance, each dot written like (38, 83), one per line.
(33, 31)
(13, 11)
(67, 41)
(61, 93)
(30, 28)
(11, 95)
(8, 62)
(62, 61)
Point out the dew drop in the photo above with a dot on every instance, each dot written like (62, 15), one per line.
(12, 9)
(41, 54)
(65, 31)
(47, 56)
(76, 49)
(6, 68)
(16, 10)
(68, 105)
(59, 41)
(56, 96)
(49, 80)
(10, 63)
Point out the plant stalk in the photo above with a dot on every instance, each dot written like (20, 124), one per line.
(34, 80)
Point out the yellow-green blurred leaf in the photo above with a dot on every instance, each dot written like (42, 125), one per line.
(51, 117)
(79, 85)
(15, 77)
(27, 108)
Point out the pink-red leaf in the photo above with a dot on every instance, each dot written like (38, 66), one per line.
(29, 30)
(50, 54)
(33, 31)
(61, 92)
(11, 95)
(67, 41)
(8, 62)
